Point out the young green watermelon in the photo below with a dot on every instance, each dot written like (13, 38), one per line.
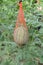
(21, 35)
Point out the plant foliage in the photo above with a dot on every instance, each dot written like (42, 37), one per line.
(10, 52)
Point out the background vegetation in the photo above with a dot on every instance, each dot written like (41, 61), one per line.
(10, 52)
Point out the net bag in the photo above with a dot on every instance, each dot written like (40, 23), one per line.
(20, 31)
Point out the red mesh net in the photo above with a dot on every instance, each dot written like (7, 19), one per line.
(20, 19)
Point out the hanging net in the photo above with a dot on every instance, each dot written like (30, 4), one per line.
(20, 19)
(20, 32)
